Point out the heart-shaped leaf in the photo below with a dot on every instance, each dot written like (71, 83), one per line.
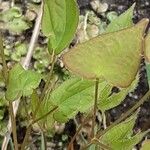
(114, 57)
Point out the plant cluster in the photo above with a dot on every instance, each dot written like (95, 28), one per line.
(109, 60)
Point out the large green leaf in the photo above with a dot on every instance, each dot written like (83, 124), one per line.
(114, 57)
(73, 96)
(59, 23)
(21, 82)
(121, 22)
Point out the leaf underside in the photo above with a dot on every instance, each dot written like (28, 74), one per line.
(114, 57)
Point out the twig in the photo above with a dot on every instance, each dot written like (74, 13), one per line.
(13, 121)
(11, 112)
(95, 108)
(25, 64)
(124, 116)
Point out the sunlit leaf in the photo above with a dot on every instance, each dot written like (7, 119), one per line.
(21, 82)
(59, 23)
(121, 22)
(114, 57)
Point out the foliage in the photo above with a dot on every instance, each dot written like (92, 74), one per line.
(112, 59)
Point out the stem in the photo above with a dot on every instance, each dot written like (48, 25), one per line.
(105, 147)
(124, 116)
(104, 120)
(13, 125)
(30, 127)
(53, 59)
(95, 108)
(25, 64)
(5, 69)
(96, 141)
(11, 111)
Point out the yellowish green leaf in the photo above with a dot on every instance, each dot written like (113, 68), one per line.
(114, 57)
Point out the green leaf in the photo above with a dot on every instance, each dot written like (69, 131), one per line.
(108, 101)
(121, 131)
(73, 96)
(120, 137)
(121, 22)
(128, 144)
(21, 82)
(59, 23)
(114, 57)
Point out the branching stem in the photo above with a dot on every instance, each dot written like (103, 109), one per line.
(13, 121)
(123, 117)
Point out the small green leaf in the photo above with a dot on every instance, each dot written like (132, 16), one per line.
(59, 23)
(21, 82)
(108, 101)
(148, 72)
(114, 57)
(121, 22)
(121, 131)
(128, 144)
(120, 137)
